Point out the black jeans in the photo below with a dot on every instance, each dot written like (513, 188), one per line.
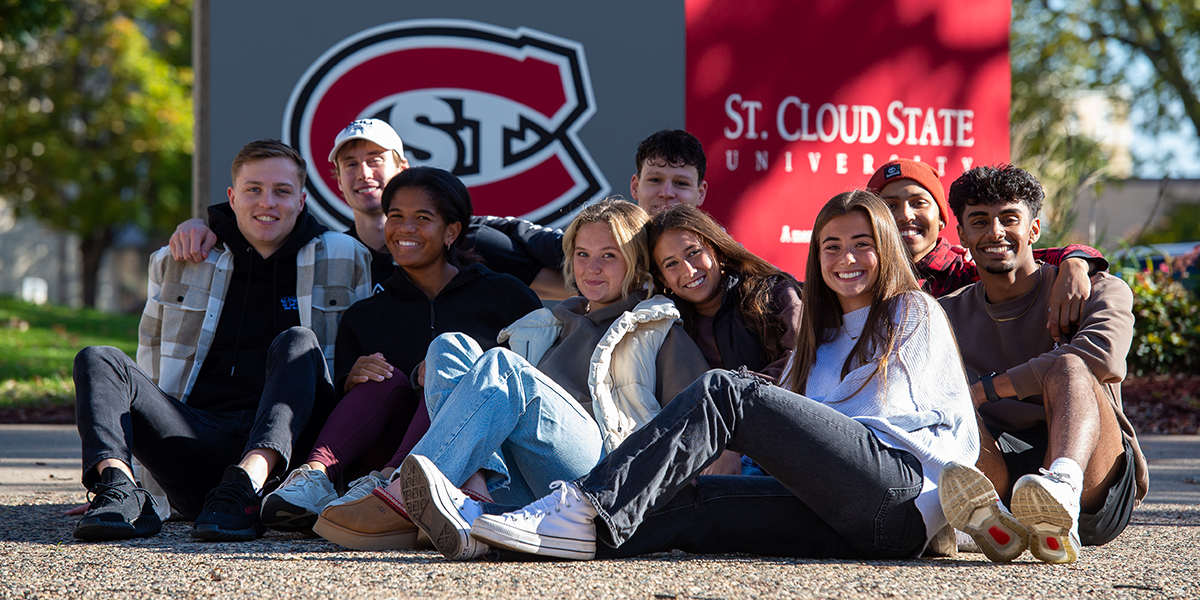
(836, 490)
(120, 414)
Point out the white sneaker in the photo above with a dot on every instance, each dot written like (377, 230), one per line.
(972, 506)
(440, 509)
(559, 525)
(1048, 506)
(295, 505)
(361, 487)
(966, 543)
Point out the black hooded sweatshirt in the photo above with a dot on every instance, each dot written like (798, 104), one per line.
(260, 303)
(401, 321)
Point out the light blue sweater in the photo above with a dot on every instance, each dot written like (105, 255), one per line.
(919, 403)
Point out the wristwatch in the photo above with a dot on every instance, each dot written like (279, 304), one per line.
(989, 390)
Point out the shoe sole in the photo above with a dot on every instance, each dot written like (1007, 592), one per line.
(434, 512)
(495, 532)
(969, 501)
(1048, 522)
(213, 533)
(357, 540)
(281, 515)
(95, 530)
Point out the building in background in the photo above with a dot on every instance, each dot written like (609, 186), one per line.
(40, 265)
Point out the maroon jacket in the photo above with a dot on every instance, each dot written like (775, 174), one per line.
(946, 268)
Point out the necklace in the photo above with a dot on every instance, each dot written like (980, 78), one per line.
(1036, 290)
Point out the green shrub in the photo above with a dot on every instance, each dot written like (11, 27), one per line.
(1166, 332)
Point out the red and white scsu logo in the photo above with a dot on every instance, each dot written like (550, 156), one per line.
(499, 108)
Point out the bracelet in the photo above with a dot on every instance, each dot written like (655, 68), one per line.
(989, 389)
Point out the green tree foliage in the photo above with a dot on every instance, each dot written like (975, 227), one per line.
(31, 15)
(1064, 45)
(96, 120)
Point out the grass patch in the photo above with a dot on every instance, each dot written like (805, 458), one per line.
(38, 346)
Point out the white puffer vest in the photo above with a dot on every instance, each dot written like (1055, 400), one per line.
(622, 375)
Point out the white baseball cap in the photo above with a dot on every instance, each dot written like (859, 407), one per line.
(372, 130)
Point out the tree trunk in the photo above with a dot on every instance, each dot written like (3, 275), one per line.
(91, 250)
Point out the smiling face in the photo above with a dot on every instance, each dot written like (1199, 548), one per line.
(1000, 236)
(363, 170)
(267, 197)
(690, 269)
(849, 260)
(416, 234)
(659, 186)
(598, 265)
(916, 213)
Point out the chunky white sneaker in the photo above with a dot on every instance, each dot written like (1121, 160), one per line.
(295, 505)
(558, 525)
(1048, 506)
(361, 488)
(972, 506)
(440, 509)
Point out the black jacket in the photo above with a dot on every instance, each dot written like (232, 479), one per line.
(735, 341)
(401, 321)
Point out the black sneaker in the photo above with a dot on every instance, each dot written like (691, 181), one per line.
(120, 509)
(231, 510)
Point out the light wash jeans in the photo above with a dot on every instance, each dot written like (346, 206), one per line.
(495, 411)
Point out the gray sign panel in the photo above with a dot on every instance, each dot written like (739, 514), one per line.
(523, 100)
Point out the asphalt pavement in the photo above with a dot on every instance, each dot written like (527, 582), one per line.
(1158, 555)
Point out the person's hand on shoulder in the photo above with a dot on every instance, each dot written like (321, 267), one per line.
(191, 241)
(1071, 290)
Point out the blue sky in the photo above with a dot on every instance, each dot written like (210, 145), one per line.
(1175, 154)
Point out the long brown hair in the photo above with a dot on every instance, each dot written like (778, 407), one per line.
(757, 276)
(822, 310)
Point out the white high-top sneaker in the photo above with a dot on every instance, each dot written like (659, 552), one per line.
(1048, 506)
(440, 509)
(559, 525)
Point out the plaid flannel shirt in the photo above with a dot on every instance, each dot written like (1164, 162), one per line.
(185, 301)
(946, 267)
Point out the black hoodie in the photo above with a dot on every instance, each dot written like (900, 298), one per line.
(260, 303)
(401, 321)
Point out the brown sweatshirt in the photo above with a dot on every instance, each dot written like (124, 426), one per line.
(1011, 337)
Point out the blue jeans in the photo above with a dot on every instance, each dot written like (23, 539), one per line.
(495, 411)
(836, 491)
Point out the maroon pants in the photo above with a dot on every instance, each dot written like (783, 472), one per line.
(377, 421)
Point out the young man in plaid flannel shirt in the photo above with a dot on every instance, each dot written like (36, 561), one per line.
(913, 190)
(233, 362)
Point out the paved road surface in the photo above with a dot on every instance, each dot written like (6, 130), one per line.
(1158, 556)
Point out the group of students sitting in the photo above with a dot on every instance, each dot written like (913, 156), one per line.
(681, 395)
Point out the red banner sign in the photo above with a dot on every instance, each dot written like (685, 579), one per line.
(796, 102)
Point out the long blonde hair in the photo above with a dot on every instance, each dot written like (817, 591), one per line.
(822, 310)
(627, 222)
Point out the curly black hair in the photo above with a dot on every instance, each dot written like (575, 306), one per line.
(676, 147)
(995, 185)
